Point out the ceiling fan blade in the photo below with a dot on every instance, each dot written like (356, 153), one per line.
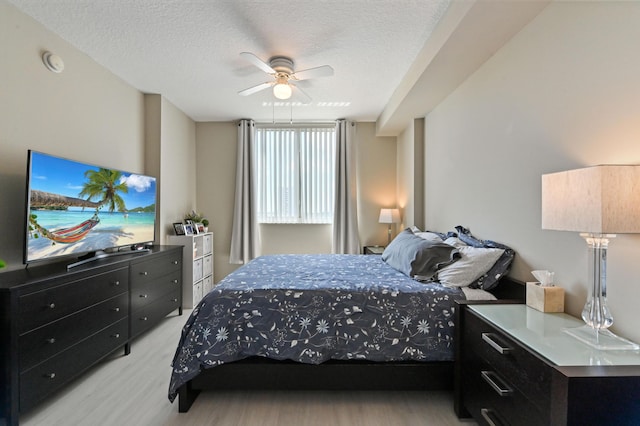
(258, 62)
(255, 89)
(300, 94)
(322, 71)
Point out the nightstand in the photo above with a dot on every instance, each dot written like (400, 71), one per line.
(373, 249)
(515, 365)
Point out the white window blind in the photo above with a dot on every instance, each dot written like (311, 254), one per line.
(295, 174)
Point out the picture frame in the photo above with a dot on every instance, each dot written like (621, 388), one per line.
(178, 228)
(200, 227)
(189, 229)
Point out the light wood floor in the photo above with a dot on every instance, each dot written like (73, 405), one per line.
(132, 390)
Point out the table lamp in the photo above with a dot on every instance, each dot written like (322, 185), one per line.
(598, 202)
(389, 216)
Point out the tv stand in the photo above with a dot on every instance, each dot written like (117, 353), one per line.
(56, 324)
(101, 254)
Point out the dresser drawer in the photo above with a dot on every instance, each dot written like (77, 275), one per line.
(519, 368)
(148, 316)
(44, 378)
(148, 271)
(151, 291)
(39, 308)
(42, 343)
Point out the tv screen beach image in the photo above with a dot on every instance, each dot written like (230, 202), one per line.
(80, 208)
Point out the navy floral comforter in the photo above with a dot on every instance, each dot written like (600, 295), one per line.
(312, 308)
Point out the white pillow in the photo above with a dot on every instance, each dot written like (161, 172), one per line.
(429, 236)
(455, 242)
(473, 263)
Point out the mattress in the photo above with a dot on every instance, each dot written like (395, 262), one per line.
(312, 308)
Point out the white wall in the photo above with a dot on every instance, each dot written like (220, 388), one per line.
(376, 180)
(563, 94)
(410, 174)
(216, 177)
(84, 113)
(177, 150)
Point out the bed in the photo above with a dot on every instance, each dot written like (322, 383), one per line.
(330, 322)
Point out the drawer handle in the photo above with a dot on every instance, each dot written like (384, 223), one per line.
(175, 262)
(493, 379)
(51, 306)
(116, 283)
(51, 340)
(174, 300)
(144, 318)
(490, 338)
(116, 336)
(116, 309)
(490, 417)
(50, 376)
(144, 296)
(144, 273)
(176, 281)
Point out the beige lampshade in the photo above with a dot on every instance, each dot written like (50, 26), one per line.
(389, 216)
(601, 200)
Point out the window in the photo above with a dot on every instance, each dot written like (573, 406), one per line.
(295, 174)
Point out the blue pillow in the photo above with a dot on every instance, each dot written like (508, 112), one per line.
(498, 270)
(416, 257)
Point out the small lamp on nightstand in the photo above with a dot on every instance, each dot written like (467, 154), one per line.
(389, 216)
(599, 202)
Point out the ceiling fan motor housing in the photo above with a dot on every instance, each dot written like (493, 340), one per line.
(281, 64)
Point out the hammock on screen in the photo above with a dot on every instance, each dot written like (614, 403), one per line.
(69, 235)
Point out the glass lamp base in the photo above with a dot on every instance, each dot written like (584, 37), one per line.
(602, 339)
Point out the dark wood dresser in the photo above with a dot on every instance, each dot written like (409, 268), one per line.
(55, 324)
(516, 366)
(156, 290)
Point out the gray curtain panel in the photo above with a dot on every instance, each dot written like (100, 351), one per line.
(244, 236)
(345, 219)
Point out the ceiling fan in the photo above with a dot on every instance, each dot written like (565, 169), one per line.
(284, 76)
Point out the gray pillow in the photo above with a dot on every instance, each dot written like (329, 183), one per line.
(416, 257)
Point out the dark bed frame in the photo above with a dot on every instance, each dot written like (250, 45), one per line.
(257, 373)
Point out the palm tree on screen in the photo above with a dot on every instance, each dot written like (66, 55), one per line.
(105, 185)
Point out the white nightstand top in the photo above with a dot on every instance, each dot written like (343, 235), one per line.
(543, 333)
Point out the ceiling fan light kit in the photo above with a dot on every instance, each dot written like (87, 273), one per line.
(281, 69)
(282, 91)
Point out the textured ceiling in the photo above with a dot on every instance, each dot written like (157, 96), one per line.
(188, 50)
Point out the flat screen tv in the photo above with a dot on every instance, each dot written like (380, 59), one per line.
(81, 210)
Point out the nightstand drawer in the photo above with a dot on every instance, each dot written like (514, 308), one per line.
(489, 394)
(516, 366)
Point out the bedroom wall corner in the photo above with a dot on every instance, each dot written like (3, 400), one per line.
(215, 189)
(377, 177)
(410, 174)
(85, 113)
(170, 152)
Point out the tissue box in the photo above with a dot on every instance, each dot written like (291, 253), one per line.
(545, 299)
